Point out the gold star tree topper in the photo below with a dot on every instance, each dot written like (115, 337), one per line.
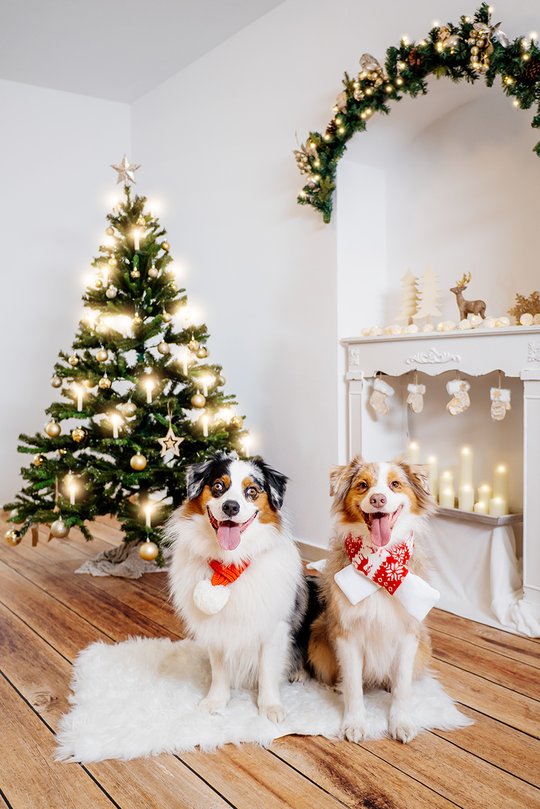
(171, 443)
(126, 171)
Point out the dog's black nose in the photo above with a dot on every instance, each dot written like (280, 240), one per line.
(231, 508)
(377, 500)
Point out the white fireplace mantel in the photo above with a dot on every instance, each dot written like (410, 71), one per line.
(515, 351)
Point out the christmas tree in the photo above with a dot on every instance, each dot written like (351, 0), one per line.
(409, 300)
(429, 296)
(140, 400)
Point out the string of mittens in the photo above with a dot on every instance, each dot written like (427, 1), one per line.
(380, 394)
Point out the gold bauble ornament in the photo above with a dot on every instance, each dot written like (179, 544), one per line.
(129, 409)
(166, 317)
(138, 462)
(220, 381)
(237, 422)
(53, 429)
(163, 348)
(135, 273)
(98, 283)
(198, 400)
(193, 345)
(13, 537)
(104, 383)
(102, 355)
(110, 231)
(153, 272)
(56, 382)
(78, 434)
(59, 529)
(148, 551)
(112, 261)
(39, 460)
(165, 246)
(202, 352)
(73, 360)
(62, 451)
(111, 292)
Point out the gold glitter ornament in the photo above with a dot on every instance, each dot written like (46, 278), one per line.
(104, 383)
(13, 537)
(78, 434)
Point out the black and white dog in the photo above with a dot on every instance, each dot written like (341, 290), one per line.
(236, 577)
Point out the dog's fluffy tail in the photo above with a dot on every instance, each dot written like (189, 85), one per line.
(321, 655)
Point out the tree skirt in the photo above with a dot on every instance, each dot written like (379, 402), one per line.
(140, 698)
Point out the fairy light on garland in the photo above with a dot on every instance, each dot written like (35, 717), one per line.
(472, 50)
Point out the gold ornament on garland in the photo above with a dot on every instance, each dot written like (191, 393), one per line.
(78, 435)
(13, 537)
(53, 429)
(138, 462)
(148, 551)
(59, 529)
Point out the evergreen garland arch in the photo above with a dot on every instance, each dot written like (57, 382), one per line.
(470, 51)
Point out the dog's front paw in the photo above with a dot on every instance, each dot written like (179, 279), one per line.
(354, 729)
(299, 675)
(212, 705)
(402, 728)
(275, 713)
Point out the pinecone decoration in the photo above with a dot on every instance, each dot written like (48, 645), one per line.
(532, 72)
(414, 59)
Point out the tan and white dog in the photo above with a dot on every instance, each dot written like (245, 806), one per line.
(369, 633)
(236, 577)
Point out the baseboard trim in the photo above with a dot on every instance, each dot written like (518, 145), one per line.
(311, 553)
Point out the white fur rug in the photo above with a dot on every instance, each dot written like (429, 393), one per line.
(140, 697)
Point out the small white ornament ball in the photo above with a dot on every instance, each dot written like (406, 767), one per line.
(153, 272)
(428, 327)
(412, 328)
(366, 332)
(476, 320)
(505, 321)
(449, 325)
(537, 320)
(163, 348)
(111, 292)
(395, 329)
(526, 319)
(210, 599)
(465, 324)
(489, 323)
(376, 331)
(440, 326)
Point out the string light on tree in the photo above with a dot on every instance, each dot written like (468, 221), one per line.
(117, 421)
(72, 487)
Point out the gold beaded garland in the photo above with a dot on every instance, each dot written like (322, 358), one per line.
(78, 434)
(138, 462)
(13, 537)
(53, 429)
(198, 400)
(102, 355)
(59, 529)
(148, 551)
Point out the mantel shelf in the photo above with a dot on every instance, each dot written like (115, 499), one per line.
(442, 335)
(471, 516)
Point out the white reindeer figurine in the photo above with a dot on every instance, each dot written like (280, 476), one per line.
(467, 307)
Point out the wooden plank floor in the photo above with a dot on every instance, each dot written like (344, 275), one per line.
(48, 614)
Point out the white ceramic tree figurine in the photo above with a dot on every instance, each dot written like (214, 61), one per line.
(409, 299)
(429, 297)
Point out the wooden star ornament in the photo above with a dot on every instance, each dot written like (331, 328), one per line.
(126, 171)
(170, 443)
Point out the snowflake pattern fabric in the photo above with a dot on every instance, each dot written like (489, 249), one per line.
(386, 567)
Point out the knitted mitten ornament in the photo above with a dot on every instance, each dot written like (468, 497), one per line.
(500, 403)
(460, 401)
(416, 397)
(379, 397)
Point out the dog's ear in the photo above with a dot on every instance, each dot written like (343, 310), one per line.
(275, 483)
(198, 474)
(340, 475)
(336, 473)
(418, 477)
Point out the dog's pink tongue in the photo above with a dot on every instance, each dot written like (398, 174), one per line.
(380, 529)
(228, 535)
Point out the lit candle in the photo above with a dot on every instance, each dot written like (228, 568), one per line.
(184, 357)
(205, 421)
(78, 390)
(136, 238)
(148, 509)
(206, 382)
(481, 507)
(105, 275)
(414, 452)
(500, 481)
(149, 385)
(466, 498)
(497, 507)
(71, 486)
(466, 467)
(116, 421)
(246, 445)
(484, 495)
(447, 498)
(433, 475)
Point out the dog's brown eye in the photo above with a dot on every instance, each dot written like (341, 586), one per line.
(218, 488)
(251, 492)
(362, 486)
(395, 484)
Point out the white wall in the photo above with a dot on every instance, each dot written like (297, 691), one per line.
(54, 168)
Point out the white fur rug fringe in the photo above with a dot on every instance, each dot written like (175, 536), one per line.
(140, 698)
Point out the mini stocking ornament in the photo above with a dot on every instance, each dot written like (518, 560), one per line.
(460, 401)
(416, 397)
(379, 397)
(500, 403)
